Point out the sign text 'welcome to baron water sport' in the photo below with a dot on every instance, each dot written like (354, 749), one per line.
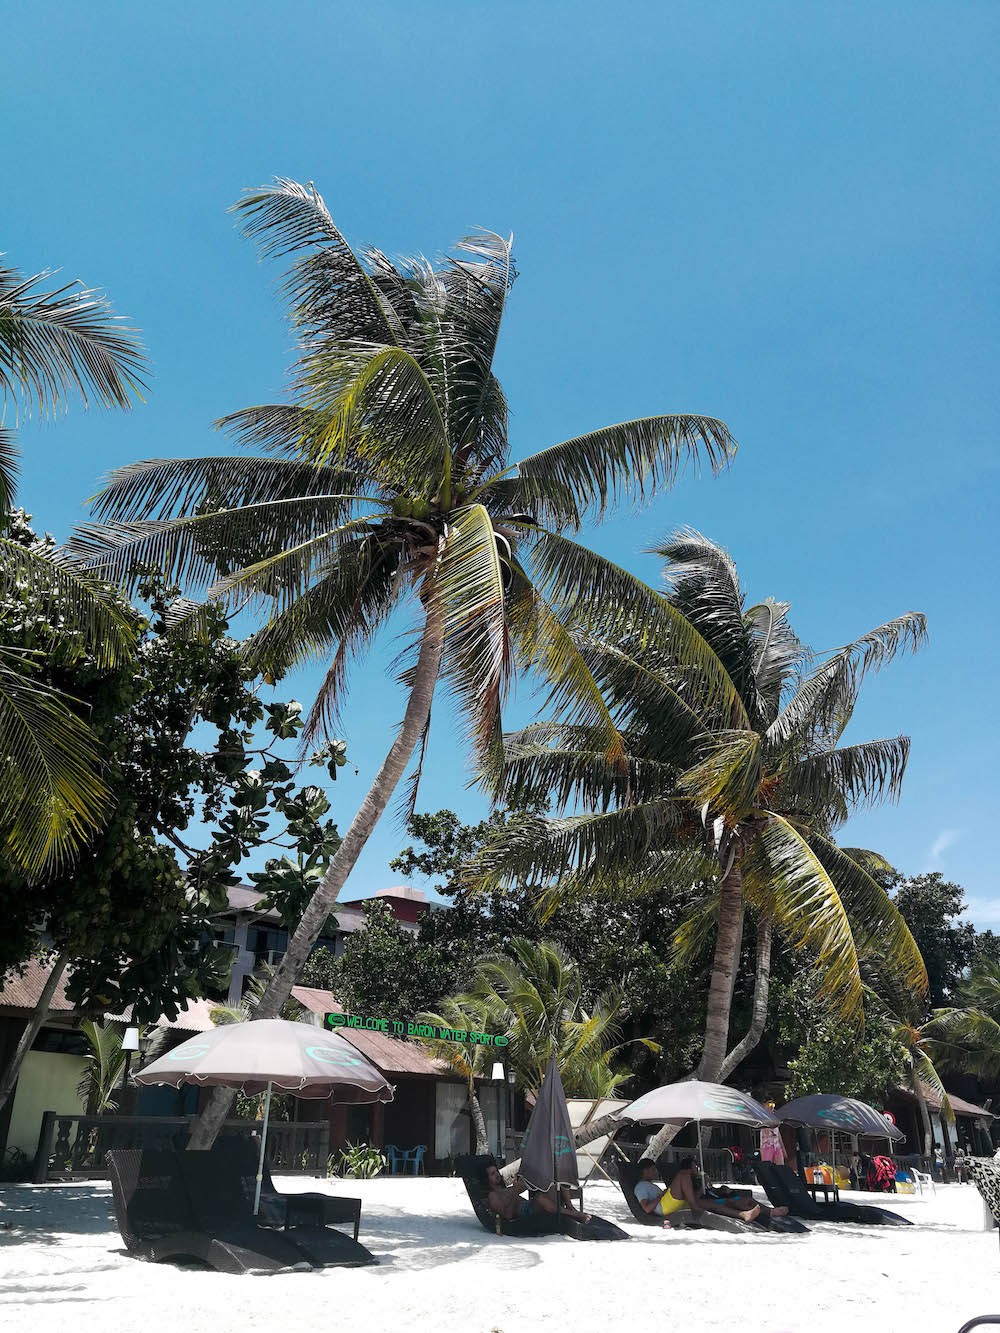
(394, 1027)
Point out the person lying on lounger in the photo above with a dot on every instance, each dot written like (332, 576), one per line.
(686, 1191)
(506, 1202)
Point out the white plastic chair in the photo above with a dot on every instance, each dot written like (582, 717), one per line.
(921, 1178)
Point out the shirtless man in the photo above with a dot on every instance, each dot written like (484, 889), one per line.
(506, 1201)
(681, 1194)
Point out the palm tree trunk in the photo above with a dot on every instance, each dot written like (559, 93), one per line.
(478, 1122)
(8, 1080)
(300, 946)
(761, 990)
(729, 940)
(925, 1117)
(728, 943)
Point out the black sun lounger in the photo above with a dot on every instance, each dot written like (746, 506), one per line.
(628, 1178)
(784, 1188)
(283, 1210)
(157, 1220)
(473, 1173)
(223, 1198)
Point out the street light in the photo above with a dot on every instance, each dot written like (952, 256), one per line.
(130, 1043)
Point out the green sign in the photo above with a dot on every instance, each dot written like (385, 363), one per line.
(394, 1027)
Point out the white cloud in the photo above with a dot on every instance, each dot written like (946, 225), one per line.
(945, 839)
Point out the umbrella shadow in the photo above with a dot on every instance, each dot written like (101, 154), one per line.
(29, 1212)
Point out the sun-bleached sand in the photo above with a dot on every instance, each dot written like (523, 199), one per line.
(63, 1267)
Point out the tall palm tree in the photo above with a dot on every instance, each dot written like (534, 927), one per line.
(54, 343)
(468, 1060)
(386, 483)
(747, 788)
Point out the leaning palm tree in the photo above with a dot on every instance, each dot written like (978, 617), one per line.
(746, 789)
(386, 483)
(466, 1059)
(53, 343)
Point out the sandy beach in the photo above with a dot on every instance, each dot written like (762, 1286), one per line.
(63, 1266)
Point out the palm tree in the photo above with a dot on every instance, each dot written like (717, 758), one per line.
(470, 1061)
(386, 483)
(747, 788)
(533, 995)
(52, 343)
(101, 1079)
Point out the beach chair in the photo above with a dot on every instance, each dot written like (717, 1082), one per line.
(222, 1197)
(628, 1178)
(785, 1189)
(157, 1220)
(284, 1210)
(986, 1178)
(473, 1173)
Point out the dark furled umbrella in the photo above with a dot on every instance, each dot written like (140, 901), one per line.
(548, 1154)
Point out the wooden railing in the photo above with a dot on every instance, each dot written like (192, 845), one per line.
(77, 1145)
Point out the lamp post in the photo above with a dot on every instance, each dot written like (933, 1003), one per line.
(130, 1043)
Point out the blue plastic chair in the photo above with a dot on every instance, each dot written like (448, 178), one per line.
(397, 1159)
(415, 1158)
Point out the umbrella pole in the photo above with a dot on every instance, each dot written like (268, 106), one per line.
(263, 1146)
(701, 1154)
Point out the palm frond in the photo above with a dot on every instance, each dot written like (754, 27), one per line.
(10, 468)
(78, 602)
(879, 929)
(728, 774)
(329, 287)
(627, 461)
(784, 876)
(51, 795)
(827, 696)
(860, 775)
(65, 339)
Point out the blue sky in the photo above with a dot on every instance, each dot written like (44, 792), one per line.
(779, 214)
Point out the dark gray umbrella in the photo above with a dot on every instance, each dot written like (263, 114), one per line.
(827, 1110)
(548, 1155)
(704, 1103)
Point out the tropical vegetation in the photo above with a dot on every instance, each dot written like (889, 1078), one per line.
(746, 787)
(386, 483)
(55, 343)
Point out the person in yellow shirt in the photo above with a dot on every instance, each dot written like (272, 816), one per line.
(686, 1191)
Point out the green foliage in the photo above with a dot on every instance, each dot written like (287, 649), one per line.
(389, 970)
(358, 1161)
(136, 909)
(835, 1060)
(931, 905)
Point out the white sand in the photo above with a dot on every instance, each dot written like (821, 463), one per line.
(63, 1267)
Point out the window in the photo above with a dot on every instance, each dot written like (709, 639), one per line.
(61, 1041)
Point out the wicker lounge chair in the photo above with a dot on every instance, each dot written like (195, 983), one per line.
(473, 1173)
(157, 1220)
(784, 1188)
(628, 1178)
(283, 1210)
(986, 1178)
(220, 1198)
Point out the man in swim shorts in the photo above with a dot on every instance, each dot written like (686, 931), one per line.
(681, 1194)
(506, 1201)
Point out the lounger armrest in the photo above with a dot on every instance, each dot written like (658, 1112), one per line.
(305, 1211)
(338, 1209)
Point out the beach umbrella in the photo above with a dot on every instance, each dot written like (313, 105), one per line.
(846, 1115)
(548, 1153)
(827, 1110)
(703, 1103)
(271, 1053)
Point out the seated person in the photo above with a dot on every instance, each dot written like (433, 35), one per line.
(505, 1200)
(685, 1191)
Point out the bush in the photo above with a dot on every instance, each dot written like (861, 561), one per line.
(358, 1160)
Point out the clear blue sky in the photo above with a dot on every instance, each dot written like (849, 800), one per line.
(781, 214)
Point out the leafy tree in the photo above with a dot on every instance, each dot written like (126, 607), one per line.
(930, 905)
(132, 917)
(388, 970)
(448, 846)
(387, 482)
(748, 788)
